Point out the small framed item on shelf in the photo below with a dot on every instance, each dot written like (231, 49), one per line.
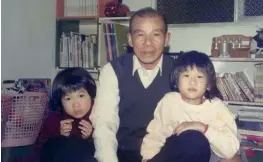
(234, 46)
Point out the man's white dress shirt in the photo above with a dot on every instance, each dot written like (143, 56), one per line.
(104, 116)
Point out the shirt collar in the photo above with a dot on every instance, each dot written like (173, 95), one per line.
(137, 65)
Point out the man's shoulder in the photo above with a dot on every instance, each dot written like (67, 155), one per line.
(168, 63)
(122, 63)
(168, 58)
(122, 59)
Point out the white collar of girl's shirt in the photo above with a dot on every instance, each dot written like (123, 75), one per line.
(137, 65)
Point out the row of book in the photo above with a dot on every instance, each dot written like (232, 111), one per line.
(236, 87)
(116, 41)
(80, 7)
(78, 50)
(250, 128)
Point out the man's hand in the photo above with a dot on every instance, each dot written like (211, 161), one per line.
(199, 126)
(66, 127)
(86, 129)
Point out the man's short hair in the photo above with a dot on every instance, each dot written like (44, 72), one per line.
(148, 12)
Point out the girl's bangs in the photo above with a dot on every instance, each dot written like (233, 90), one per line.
(69, 88)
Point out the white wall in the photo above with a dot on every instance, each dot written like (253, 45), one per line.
(199, 37)
(137, 4)
(28, 38)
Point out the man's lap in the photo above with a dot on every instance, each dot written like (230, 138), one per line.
(182, 148)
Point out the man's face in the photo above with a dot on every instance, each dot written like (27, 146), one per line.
(148, 39)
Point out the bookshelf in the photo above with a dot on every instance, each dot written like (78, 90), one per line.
(84, 23)
(229, 69)
(77, 34)
(70, 36)
(249, 115)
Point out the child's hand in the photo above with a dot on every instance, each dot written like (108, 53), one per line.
(189, 126)
(86, 129)
(66, 127)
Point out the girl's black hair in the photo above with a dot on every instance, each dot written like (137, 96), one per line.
(203, 64)
(70, 80)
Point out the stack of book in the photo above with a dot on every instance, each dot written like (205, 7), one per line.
(80, 7)
(250, 128)
(116, 40)
(236, 86)
(78, 50)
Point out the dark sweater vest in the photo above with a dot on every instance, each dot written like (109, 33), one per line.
(137, 104)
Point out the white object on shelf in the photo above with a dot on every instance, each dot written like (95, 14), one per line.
(236, 59)
(244, 103)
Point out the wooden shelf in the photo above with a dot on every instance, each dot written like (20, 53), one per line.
(218, 59)
(91, 70)
(244, 103)
(77, 18)
(106, 19)
(101, 19)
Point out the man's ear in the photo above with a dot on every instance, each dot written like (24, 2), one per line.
(167, 39)
(130, 39)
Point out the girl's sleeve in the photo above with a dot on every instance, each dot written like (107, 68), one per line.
(50, 129)
(158, 130)
(222, 133)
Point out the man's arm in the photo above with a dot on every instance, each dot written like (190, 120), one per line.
(104, 116)
(158, 130)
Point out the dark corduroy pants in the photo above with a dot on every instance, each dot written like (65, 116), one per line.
(67, 150)
(190, 146)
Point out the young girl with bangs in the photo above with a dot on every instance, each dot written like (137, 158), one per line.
(192, 114)
(66, 134)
